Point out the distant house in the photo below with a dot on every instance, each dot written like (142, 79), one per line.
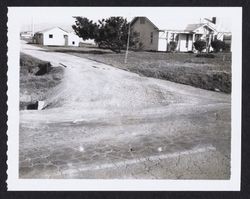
(148, 33)
(56, 37)
(26, 35)
(227, 38)
(152, 38)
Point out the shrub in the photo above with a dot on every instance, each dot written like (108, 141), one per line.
(200, 45)
(172, 45)
(218, 45)
(138, 47)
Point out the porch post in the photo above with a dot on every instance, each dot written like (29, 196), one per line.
(178, 43)
(209, 42)
(167, 41)
(193, 38)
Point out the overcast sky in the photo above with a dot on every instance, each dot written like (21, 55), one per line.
(162, 17)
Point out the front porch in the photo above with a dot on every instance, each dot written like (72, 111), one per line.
(184, 39)
(185, 42)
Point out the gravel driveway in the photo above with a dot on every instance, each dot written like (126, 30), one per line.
(106, 123)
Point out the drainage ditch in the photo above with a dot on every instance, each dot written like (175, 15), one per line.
(37, 77)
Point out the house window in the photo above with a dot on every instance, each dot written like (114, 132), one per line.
(142, 20)
(187, 37)
(151, 37)
(73, 42)
(51, 36)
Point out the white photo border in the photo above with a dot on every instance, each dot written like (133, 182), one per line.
(16, 184)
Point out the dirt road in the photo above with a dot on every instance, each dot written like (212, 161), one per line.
(103, 122)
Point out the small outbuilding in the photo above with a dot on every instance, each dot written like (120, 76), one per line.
(56, 37)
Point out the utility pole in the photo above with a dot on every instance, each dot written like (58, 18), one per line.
(32, 27)
(126, 54)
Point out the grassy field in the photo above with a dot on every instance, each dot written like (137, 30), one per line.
(33, 87)
(185, 68)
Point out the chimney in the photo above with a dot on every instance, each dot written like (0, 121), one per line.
(214, 20)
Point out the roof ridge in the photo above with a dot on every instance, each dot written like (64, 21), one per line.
(47, 29)
(135, 18)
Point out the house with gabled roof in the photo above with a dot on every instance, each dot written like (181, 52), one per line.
(56, 37)
(193, 32)
(153, 38)
(147, 33)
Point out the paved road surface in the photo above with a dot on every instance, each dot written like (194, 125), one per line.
(102, 122)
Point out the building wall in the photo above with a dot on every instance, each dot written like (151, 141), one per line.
(58, 37)
(145, 30)
(184, 44)
(73, 40)
(180, 38)
(162, 43)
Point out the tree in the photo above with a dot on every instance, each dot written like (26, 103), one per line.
(85, 28)
(109, 33)
(113, 34)
(218, 45)
(200, 45)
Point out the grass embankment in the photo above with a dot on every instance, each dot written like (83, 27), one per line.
(34, 84)
(186, 68)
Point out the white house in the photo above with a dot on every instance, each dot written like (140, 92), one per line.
(186, 38)
(56, 37)
(151, 37)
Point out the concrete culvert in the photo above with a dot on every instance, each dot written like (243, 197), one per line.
(38, 105)
(32, 106)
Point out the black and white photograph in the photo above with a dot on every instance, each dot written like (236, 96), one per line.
(132, 95)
